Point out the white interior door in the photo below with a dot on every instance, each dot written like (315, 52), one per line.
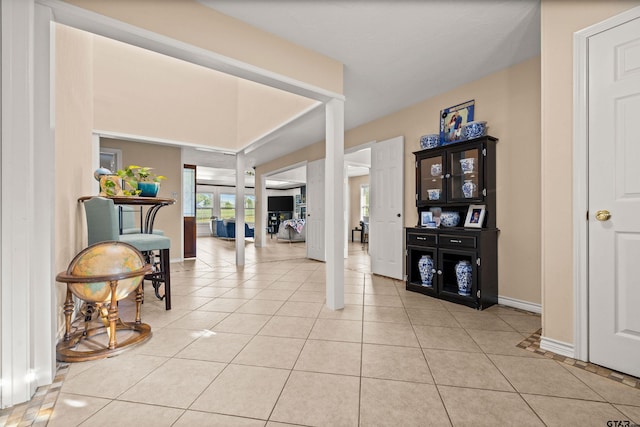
(315, 210)
(386, 208)
(614, 186)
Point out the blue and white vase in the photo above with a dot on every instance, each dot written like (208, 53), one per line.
(464, 277)
(425, 265)
(468, 189)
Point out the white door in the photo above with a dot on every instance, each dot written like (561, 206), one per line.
(614, 186)
(386, 208)
(315, 210)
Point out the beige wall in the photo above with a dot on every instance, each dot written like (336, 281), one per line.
(139, 92)
(222, 34)
(166, 161)
(560, 19)
(74, 171)
(510, 101)
(354, 200)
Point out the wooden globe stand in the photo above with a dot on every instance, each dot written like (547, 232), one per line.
(108, 311)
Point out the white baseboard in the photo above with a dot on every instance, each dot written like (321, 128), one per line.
(519, 304)
(558, 347)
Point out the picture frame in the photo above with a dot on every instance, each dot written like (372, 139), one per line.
(452, 120)
(425, 218)
(475, 216)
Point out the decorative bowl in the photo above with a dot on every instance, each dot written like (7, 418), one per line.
(434, 194)
(436, 169)
(474, 129)
(449, 218)
(429, 141)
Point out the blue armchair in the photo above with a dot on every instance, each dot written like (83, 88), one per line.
(226, 229)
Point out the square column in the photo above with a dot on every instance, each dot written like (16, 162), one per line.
(334, 203)
(240, 166)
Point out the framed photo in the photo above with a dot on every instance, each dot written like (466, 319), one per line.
(425, 218)
(475, 216)
(452, 119)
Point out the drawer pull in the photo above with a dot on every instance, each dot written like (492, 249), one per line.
(455, 241)
(421, 238)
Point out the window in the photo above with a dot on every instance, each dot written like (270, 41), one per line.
(364, 201)
(250, 209)
(204, 207)
(228, 207)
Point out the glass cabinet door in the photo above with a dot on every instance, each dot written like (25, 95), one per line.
(431, 179)
(465, 175)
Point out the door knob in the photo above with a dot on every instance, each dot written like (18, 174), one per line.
(603, 215)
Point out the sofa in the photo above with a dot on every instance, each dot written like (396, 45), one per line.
(226, 229)
(292, 230)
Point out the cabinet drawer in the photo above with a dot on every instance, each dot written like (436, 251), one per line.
(422, 239)
(457, 241)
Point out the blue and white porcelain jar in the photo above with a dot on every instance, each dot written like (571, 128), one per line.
(429, 141)
(425, 266)
(436, 169)
(464, 277)
(468, 188)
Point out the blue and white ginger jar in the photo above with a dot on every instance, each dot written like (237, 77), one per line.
(425, 265)
(468, 189)
(464, 277)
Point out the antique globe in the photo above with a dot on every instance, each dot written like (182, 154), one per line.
(105, 259)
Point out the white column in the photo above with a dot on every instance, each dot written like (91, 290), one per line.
(334, 203)
(261, 211)
(347, 207)
(240, 166)
(27, 323)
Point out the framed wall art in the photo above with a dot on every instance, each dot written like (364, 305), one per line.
(452, 119)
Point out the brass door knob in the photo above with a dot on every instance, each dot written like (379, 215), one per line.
(603, 215)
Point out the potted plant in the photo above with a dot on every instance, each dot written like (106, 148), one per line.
(140, 181)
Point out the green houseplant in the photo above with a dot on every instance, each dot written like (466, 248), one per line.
(140, 181)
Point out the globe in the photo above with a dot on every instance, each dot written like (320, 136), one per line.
(101, 171)
(103, 259)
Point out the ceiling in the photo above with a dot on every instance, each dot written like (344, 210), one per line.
(395, 53)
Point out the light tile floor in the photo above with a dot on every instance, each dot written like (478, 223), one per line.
(257, 347)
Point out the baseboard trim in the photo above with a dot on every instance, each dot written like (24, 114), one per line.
(557, 347)
(522, 305)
